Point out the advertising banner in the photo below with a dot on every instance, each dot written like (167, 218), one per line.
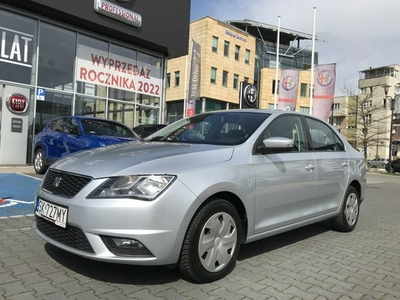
(194, 80)
(98, 67)
(288, 89)
(324, 90)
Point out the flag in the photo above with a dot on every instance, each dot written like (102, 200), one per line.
(324, 90)
(194, 80)
(288, 89)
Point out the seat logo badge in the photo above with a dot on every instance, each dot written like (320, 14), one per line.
(57, 182)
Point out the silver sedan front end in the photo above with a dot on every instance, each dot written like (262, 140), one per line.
(121, 230)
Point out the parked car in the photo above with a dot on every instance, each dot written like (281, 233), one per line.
(147, 129)
(190, 194)
(377, 163)
(395, 166)
(65, 135)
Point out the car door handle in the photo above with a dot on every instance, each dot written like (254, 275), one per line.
(310, 167)
(344, 164)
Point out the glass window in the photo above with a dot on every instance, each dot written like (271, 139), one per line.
(226, 48)
(123, 69)
(149, 75)
(323, 137)
(122, 112)
(56, 57)
(247, 56)
(213, 78)
(177, 75)
(214, 44)
(273, 86)
(225, 78)
(87, 106)
(18, 48)
(235, 81)
(288, 127)
(303, 90)
(305, 110)
(146, 114)
(237, 50)
(55, 105)
(92, 66)
(168, 80)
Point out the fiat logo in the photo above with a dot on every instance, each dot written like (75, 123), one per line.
(17, 103)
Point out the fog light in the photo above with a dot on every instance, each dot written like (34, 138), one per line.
(126, 247)
(127, 243)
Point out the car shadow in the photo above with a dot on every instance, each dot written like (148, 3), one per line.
(154, 275)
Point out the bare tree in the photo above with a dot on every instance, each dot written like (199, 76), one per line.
(370, 118)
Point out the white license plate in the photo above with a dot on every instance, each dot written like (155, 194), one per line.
(54, 213)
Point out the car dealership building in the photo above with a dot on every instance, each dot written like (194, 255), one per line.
(99, 58)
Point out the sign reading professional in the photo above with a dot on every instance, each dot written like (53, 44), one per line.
(117, 12)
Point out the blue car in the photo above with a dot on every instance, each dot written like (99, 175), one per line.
(65, 135)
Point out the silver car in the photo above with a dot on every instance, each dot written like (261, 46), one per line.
(193, 192)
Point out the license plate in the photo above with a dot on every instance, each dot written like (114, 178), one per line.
(52, 212)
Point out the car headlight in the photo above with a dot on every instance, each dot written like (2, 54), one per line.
(144, 187)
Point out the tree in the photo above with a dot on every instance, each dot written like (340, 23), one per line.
(370, 118)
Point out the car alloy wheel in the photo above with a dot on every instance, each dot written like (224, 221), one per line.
(38, 162)
(212, 242)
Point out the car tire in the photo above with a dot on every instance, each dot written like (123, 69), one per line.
(212, 242)
(347, 220)
(39, 162)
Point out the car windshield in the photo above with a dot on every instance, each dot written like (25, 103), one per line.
(221, 128)
(103, 127)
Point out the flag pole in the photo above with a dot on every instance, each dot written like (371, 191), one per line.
(312, 64)
(277, 62)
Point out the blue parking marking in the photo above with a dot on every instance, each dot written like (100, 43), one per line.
(17, 194)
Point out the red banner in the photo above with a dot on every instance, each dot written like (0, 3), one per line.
(288, 89)
(324, 90)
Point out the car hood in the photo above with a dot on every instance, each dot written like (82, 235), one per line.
(141, 157)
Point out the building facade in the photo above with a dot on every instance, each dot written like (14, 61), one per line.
(97, 58)
(233, 52)
(365, 118)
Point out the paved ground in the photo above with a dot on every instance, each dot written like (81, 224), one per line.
(310, 263)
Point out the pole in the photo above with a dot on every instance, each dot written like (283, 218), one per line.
(390, 136)
(277, 62)
(392, 106)
(186, 91)
(312, 63)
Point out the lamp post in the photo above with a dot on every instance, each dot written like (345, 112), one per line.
(392, 106)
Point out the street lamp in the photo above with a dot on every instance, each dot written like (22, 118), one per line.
(392, 106)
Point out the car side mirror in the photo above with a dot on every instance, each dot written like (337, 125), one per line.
(276, 145)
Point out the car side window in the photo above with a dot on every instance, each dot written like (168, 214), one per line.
(57, 125)
(69, 126)
(323, 138)
(288, 126)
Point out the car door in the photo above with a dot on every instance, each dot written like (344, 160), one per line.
(285, 182)
(332, 166)
(52, 140)
(71, 140)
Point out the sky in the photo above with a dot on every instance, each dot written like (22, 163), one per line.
(357, 34)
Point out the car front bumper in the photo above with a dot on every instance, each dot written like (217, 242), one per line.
(159, 225)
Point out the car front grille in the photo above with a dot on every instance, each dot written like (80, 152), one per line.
(71, 236)
(64, 184)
